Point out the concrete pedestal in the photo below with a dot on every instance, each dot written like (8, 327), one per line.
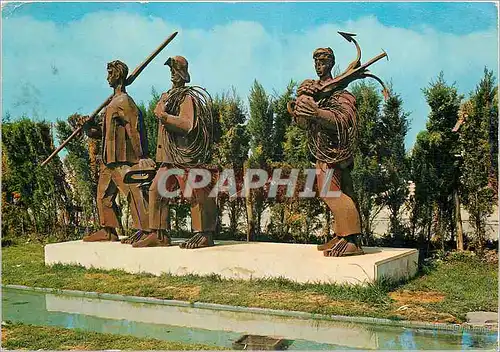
(241, 260)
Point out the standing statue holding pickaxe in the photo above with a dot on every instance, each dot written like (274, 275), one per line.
(124, 142)
(328, 112)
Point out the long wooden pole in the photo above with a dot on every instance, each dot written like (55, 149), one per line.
(130, 79)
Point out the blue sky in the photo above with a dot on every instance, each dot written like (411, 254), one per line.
(54, 54)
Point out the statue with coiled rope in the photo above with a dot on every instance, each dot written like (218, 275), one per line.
(184, 140)
(328, 113)
(199, 138)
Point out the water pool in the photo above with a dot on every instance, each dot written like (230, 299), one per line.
(222, 328)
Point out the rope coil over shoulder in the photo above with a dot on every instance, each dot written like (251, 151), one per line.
(334, 147)
(200, 137)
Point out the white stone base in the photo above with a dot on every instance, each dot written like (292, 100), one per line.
(241, 260)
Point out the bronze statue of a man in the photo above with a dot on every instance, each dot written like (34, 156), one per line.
(123, 142)
(331, 124)
(184, 119)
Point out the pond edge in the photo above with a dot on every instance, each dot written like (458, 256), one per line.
(263, 311)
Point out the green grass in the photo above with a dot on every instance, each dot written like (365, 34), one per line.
(460, 285)
(468, 284)
(21, 336)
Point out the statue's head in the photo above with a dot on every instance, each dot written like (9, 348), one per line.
(324, 60)
(178, 70)
(117, 73)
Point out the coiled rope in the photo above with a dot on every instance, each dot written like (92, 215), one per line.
(333, 147)
(200, 136)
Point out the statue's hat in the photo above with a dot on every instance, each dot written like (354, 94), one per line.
(180, 65)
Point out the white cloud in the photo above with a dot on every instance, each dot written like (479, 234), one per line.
(56, 70)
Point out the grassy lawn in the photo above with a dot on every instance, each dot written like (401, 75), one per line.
(444, 292)
(456, 286)
(21, 336)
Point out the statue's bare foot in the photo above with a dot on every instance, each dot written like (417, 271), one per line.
(346, 246)
(329, 244)
(200, 240)
(153, 239)
(104, 234)
(139, 235)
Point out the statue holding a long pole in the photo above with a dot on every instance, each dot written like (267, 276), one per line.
(123, 144)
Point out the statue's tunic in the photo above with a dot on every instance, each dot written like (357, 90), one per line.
(330, 141)
(203, 207)
(121, 131)
(123, 138)
(166, 133)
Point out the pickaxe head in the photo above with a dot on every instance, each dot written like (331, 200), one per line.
(347, 36)
(387, 56)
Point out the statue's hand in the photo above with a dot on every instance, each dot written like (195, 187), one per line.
(77, 121)
(159, 110)
(147, 163)
(160, 107)
(308, 87)
(306, 107)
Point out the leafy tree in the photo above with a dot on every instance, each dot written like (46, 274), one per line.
(235, 139)
(476, 141)
(296, 149)
(282, 120)
(81, 171)
(260, 124)
(393, 126)
(151, 122)
(37, 194)
(493, 134)
(423, 173)
(231, 151)
(260, 128)
(444, 102)
(367, 170)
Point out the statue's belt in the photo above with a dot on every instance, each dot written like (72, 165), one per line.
(139, 176)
